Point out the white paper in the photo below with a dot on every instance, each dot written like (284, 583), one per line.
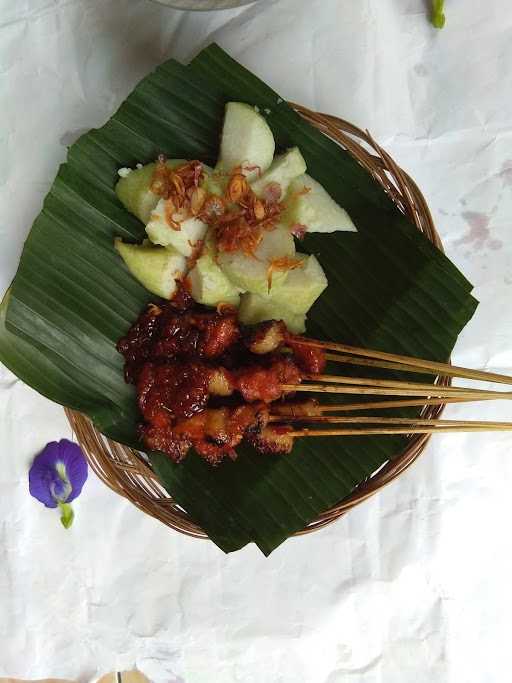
(414, 584)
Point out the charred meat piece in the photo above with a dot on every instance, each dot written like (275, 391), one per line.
(213, 453)
(247, 417)
(216, 432)
(271, 440)
(176, 337)
(309, 359)
(205, 335)
(257, 383)
(164, 332)
(266, 337)
(212, 423)
(219, 331)
(262, 382)
(176, 389)
(136, 345)
(165, 440)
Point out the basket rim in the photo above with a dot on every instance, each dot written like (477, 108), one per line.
(125, 470)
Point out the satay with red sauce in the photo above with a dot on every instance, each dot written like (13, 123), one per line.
(181, 357)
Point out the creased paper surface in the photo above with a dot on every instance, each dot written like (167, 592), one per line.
(414, 585)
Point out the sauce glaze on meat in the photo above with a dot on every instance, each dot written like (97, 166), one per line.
(202, 382)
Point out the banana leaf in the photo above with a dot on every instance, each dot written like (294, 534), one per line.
(72, 298)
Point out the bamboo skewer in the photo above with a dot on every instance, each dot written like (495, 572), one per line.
(395, 384)
(411, 421)
(401, 403)
(433, 394)
(417, 363)
(392, 430)
(433, 390)
(374, 363)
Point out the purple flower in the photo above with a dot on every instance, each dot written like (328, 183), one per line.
(57, 476)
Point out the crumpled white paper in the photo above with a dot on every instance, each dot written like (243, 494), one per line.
(414, 584)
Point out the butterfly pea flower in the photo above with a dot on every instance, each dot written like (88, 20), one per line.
(438, 18)
(57, 476)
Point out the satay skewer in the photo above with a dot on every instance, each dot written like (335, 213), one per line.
(294, 433)
(406, 363)
(381, 364)
(400, 403)
(411, 421)
(395, 384)
(429, 391)
(213, 358)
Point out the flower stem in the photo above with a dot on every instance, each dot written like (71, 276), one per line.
(67, 515)
(438, 18)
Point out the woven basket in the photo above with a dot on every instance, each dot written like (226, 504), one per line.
(126, 471)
